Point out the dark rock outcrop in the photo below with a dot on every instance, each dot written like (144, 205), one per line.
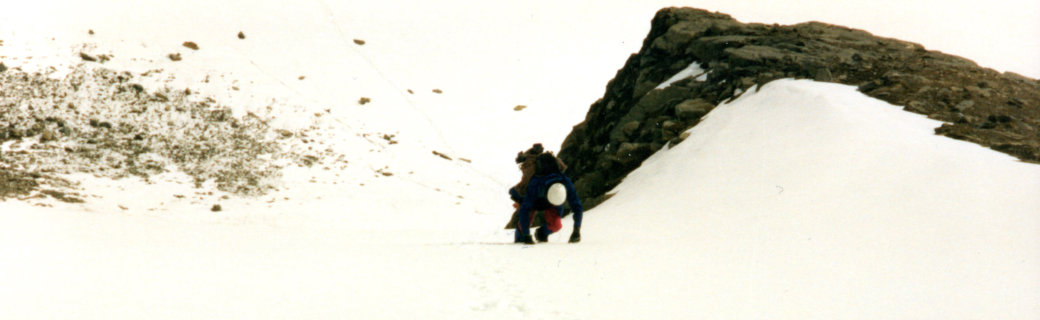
(635, 118)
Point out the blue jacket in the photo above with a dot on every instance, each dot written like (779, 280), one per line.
(530, 199)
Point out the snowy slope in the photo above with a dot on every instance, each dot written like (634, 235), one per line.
(801, 200)
(810, 200)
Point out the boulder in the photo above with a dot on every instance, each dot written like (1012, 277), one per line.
(630, 153)
(822, 74)
(630, 128)
(964, 105)
(693, 109)
(755, 55)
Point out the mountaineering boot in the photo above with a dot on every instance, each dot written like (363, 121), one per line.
(525, 240)
(542, 234)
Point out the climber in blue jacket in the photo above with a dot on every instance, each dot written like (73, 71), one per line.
(548, 190)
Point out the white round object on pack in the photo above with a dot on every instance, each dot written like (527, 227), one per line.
(557, 194)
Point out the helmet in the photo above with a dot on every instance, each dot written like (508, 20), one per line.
(557, 194)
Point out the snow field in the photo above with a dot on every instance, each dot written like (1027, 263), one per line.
(814, 201)
(797, 200)
(749, 234)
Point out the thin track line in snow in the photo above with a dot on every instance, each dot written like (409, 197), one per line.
(343, 40)
(286, 85)
(370, 141)
(440, 134)
(301, 94)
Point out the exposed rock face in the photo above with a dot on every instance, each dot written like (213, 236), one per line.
(635, 118)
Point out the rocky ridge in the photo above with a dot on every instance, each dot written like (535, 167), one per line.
(637, 116)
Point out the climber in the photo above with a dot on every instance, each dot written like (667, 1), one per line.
(546, 191)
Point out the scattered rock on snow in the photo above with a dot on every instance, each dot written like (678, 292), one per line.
(390, 138)
(359, 42)
(48, 136)
(61, 196)
(309, 160)
(241, 35)
(87, 57)
(437, 91)
(16, 183)
(90, 32)
(364, 100)
(284, 133)
(216, 208)
(125, 133)
(174, 56)
(446, 157)
(519, 107)
(190, 45)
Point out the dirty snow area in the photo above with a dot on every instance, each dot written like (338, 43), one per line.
(795, 200)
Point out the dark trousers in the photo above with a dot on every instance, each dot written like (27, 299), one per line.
(551, 224)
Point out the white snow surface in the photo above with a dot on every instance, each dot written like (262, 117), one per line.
(796, 200)
(692, 70)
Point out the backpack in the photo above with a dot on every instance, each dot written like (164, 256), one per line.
(551, 193)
